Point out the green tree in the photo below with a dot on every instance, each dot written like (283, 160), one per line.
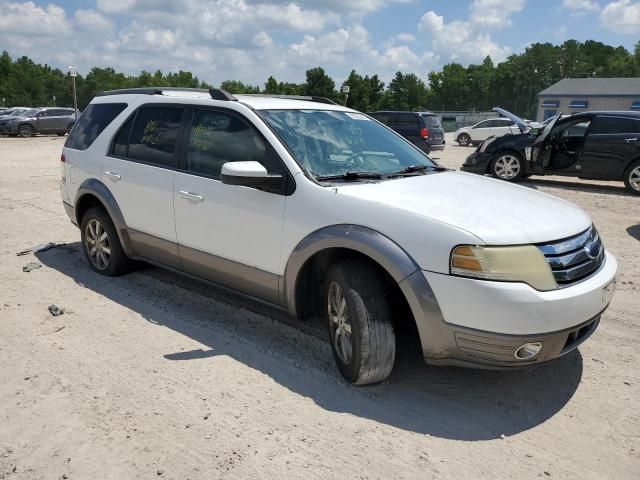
(319, 84)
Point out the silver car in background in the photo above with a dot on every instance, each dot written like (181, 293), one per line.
(46, 120)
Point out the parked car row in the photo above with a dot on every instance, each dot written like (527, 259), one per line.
(27, 122)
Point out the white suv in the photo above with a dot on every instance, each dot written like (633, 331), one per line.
(320, 210)
(478, 133)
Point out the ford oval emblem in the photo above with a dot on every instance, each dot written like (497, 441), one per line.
(592, 250)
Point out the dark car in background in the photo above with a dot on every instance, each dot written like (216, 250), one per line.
(12, 112)
(588, 145)
(39, 120)
(423, 129)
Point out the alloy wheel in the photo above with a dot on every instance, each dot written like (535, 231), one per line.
(507, 167)
(634, 178)
(339, 323)
(25, 131)
(97, 244)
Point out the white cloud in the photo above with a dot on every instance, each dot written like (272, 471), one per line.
(28, 17)
(495, 14)
(580, 6)
(622, 16)
(460, 41)
(92, 20)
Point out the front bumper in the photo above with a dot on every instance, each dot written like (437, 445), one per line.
(477, 162)
(8, 129)
(482, 323)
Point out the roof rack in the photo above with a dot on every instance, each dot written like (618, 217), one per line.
(308, 98)
(215, 93)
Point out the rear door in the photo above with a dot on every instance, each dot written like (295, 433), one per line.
(406, 124)
(228, 234)
(139, 171)
(482, 130)
(611, 143)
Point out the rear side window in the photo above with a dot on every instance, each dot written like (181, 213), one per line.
(406, 120)
(613, 125)
(220, 137)
(91, 123)
(153, 135)
(431, 121)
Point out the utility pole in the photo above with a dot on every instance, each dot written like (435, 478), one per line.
(54, 100)
(345, 90)
(74, 73)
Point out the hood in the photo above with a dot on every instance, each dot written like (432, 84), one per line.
(514, 118)
(497, 212)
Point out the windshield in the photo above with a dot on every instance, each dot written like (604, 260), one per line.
(327, 143)
(27, 113)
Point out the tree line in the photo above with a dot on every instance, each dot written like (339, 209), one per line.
(512, 84)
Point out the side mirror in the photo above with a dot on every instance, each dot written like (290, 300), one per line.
(251, 174)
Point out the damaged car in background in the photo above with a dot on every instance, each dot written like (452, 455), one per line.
(588, 145)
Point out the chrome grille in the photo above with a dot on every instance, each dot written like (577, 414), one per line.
(575, 258)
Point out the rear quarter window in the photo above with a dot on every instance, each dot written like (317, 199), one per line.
(432, 121)
(91, 124)
(613, 125)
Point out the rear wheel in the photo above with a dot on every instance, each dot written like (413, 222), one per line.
(61, 134)
(464, 140)
(26, 130)
(101, 244)
(507, 166)
(632, 178)
(359, 321)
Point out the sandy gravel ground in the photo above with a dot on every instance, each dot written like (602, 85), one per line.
(153, 376)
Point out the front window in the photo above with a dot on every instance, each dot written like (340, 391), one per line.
(329, 143)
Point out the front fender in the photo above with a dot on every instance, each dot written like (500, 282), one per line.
(384, 251)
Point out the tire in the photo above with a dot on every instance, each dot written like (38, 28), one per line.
(355, 300)
(61, 134)
(463, 140)
(507, 166)
(25, 130)
(109, 259)
(632, 178)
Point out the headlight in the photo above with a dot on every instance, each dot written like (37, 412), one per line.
(522, 263)
(486, 143)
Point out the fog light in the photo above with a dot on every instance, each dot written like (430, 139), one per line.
(528, 351)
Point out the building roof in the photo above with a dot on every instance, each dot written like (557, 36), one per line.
(594, 87)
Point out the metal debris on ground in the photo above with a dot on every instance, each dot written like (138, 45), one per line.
(31, 266)
(41, 247)
(55, 310)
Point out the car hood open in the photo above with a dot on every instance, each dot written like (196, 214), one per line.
(497, 212)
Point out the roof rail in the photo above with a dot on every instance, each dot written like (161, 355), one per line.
(308, 98)
(149, 91)
(220, 94)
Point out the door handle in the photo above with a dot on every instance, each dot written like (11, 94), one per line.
(192, 197)
(629, 140)
(113, 176)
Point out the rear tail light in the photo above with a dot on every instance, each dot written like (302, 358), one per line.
(424, 133)
(62, 159)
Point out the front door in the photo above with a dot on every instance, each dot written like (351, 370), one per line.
(612, 142)
(228, 234)
(139, 171)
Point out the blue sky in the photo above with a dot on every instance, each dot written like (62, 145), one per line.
(249, 39)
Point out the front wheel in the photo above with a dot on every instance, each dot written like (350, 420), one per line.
(360, 322)
(632, 178)
(26, 131)
(464, 140)
(507, 166)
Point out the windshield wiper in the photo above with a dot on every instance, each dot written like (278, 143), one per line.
(417, 168)
(350, 176)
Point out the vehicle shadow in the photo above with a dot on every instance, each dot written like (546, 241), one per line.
(535, 182)
(634, 231)
(445, 402)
